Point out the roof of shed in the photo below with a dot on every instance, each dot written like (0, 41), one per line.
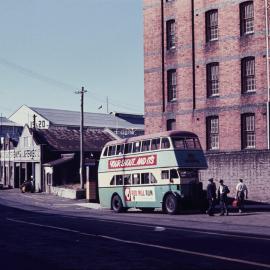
(6, 122)
(68, 139)
(72, 118)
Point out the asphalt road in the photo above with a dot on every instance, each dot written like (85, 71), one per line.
(39, 239)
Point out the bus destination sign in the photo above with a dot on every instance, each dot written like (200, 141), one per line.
(130, 162)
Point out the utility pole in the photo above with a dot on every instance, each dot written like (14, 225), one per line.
(81, 92)
(107, 102)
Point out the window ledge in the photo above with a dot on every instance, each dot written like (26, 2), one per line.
(174, 100)
(171, 50)
(247, 34)
(213, 150)
(212, 41)
(213, 96)
(248, 93)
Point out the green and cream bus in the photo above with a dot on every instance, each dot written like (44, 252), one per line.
(152, 171)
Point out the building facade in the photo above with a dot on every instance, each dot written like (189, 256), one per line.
(207, 71)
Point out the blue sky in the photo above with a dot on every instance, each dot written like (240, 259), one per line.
(50, 48)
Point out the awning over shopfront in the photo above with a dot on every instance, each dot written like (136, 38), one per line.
(64, 158)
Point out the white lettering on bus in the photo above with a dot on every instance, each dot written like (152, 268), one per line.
(149, 160)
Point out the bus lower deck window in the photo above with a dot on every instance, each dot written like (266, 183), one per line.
(153, 179)
(127, 179)
(136, 179)
(119, 180)
(145, 178)
(165, 174)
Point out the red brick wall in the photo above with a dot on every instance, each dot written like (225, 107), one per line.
(228, 51)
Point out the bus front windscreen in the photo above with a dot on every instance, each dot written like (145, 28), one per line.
(186, 143)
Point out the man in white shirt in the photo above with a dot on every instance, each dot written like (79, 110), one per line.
(241, 193)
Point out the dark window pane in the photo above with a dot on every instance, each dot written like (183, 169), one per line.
(165, 143)
(155, 144)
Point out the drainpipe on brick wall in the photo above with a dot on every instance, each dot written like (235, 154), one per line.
(193, 56)
(267, 70)
(162, 56)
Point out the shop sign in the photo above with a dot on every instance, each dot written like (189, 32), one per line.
(21, 155)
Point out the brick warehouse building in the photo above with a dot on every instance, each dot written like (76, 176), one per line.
(206, 71)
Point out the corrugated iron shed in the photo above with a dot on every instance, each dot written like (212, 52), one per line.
(99, 120)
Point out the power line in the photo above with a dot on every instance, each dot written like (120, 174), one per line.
(62, 85)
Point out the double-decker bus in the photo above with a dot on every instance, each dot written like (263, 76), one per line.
(152, 171)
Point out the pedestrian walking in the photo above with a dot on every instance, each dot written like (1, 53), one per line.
(223, 191)
(211, 196)
(241, 194)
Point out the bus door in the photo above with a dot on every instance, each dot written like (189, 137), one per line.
(189, 182)
(128, 190)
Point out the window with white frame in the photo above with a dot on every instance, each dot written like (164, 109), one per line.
(247, 18)
(212, 127)
(211, 23)
(248, 130)
(212, 70)
(171, 84)
(248, 74)
(170, 32)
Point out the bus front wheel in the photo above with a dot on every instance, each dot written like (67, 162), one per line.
(117, 204)
(171, 204)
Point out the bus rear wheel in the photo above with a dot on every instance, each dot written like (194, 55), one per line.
(171, 204)
(117, 204)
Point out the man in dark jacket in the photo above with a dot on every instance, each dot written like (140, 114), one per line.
(223, 191)
(211, 196)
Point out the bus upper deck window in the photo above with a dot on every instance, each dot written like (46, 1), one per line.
(111, 150)
(128, 148)
(197, 143)
(178, 143)
(105, 153)
(136, 147)
(193, 143)
(145, 145)
(155, 144)
(119, 149)
(165, 143)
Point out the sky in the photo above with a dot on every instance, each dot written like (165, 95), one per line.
(51, 48)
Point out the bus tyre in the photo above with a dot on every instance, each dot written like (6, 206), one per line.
(117, 204)
(171, 204)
